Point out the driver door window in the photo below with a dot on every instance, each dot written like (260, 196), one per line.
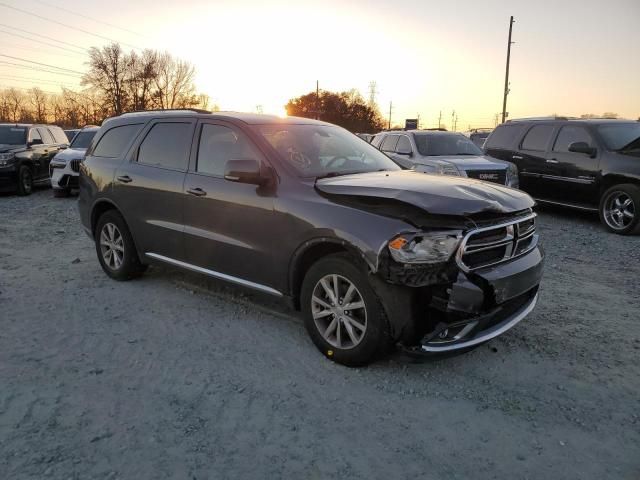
(389, 143)
(219, 144)
(404, 145)
(34, 137)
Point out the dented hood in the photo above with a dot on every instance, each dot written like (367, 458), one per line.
(436, 194)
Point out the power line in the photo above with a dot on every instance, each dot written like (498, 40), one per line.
(34, 80)
(43, 64)
(34, 48)
(90, 18)
(27, 67)
(67, 26)
(82, 50)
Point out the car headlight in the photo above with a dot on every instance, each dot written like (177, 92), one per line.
(428, 247)
(439, 169)
(512, 176)
(6, 159)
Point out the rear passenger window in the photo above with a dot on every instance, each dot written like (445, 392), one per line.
(537, 138)
(389, 143)
(404, 145)
(504, 136)
(570, 134)
(218, 144)
(166, 145)
(113, 143)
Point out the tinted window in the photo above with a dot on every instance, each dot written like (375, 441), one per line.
(504, 136)
(404, 145)
(537, 138)
(83, 139)
(166, 145)
(46, 135)
(113, 143)
(389, 143)
(445, 143)
(12, 135)
(58, 134)
(619, 135)
(570, 134)
(219, 144)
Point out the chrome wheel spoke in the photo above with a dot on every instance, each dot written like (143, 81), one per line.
(354, 306)
(322, 314)
(328, 291)
(331, 328)
(112, 246)
(350, 332)
(350, 291)
(320, 302)
(357, 324)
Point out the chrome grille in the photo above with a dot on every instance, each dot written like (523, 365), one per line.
(75, 165)
(483, 247)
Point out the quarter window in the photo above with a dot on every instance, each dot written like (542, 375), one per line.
(389, 143)
(537, 138)
(166, 145)
(114, 141)
(218, 144)
(570, 134)
(34, 136)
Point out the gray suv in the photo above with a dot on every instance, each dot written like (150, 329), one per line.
(374, 256)
(445, 153)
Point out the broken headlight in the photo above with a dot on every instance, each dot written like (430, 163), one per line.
(428, 247)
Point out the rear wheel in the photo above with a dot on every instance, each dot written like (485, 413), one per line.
(115, 248)
(619, 208)
(25, 181)
(342, 313)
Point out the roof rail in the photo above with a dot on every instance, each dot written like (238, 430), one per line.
(194, 110)
(541, 119)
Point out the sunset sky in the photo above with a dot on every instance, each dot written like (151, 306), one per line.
(570, 57)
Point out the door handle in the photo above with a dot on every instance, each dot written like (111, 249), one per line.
(124, 179)
(516, 157)
(552, 160)
(198, 192)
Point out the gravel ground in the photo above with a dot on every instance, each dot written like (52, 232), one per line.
(177, 376)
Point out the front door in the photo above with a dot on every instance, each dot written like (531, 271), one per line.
(227, 224)
(149, 187)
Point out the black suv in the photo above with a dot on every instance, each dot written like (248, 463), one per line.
(25, 153)
(589, 164)
(296, 208)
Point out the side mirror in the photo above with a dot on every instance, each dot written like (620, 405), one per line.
(244, 171)
(582, 147)
(408, 153)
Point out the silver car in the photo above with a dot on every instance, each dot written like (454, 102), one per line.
(445, 153)
(65, 166)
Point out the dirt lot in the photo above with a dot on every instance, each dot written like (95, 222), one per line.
(176, 376)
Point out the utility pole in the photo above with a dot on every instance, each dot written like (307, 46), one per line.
(440, 120)
(317, 100)
(372, 94)
(453, 114)
(506, 75)
(390, 109)
(455, 124)
(418, 123)
(495, 119)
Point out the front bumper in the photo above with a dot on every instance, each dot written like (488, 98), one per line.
(8, 178)
(63, 178)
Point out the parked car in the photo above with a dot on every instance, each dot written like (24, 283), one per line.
(64, 169)
(25, 153)
(445, 153)
(588, 164)
(367, 137)
(303, 209)
(71, 133)
(478, 135)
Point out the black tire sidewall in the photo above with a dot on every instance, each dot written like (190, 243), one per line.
(131, 267)
(376, 336)
(24, 170)
(634, 192)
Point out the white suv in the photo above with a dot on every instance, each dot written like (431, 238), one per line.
(65, 166)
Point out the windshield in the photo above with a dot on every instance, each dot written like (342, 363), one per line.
(318, 150)
(83, 139)
(619, 135)
(12, 135)
(439, 144)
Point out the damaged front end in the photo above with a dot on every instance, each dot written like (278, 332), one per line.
(488, 283)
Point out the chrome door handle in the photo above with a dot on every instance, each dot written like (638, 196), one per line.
(198, 192)
(124, 179)
(552, 160)
(516, 157)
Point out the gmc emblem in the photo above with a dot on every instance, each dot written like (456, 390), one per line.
(488, 176)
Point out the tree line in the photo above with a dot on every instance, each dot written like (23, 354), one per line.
(115, 82)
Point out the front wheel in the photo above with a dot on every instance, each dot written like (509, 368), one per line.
(619, 208)
(115, 248)
(342, 312)
(25, 181)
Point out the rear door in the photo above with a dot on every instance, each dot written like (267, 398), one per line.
(149, 186)
(532, 161)
(576, 172)
(50, 150)
(228, 225)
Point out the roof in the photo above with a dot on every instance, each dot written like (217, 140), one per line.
(570, 119)
(250, 118)
(26, 125)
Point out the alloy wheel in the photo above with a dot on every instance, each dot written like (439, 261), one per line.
(112, 246)
(619, 210)
(339, 311)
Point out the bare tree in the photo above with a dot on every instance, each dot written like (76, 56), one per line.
(108, 73)
(141, 73)
(16, 103)
(38, 100)
(174, 83)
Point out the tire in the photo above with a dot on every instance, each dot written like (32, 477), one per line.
(620, 209)
(115, 248)
(25, 181)
(330, 331)
(61, 192)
